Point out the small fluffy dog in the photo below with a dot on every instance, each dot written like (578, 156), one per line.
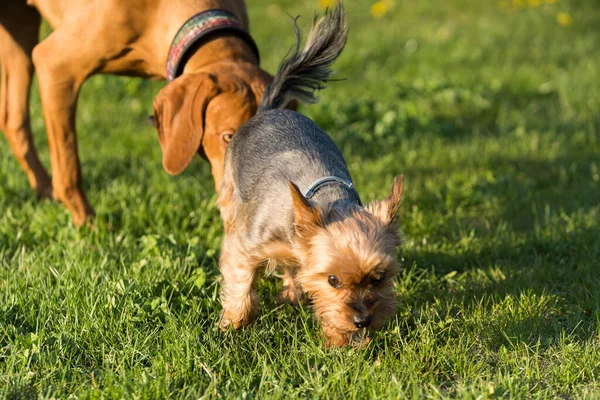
(287, 200)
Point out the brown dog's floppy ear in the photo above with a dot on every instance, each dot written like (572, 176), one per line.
(179, 110)
(258, 87)
(306, 217)
(387, 208)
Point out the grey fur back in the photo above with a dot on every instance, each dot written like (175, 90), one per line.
(281, 146)
(272, 149)
(307, 71)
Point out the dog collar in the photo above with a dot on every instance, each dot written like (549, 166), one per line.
(319, 183)
(198, 28)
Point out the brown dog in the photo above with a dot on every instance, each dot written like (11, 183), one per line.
(219, 88)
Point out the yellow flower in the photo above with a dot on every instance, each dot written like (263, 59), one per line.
(380, 8)
(564, 19)
(327, 3)
(534, 3)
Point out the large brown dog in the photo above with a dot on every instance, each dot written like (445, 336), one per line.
(199, 111)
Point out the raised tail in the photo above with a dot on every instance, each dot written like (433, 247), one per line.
(304, 72)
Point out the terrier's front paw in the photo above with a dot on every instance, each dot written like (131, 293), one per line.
(336, 338)
(291, 295)
(235, 320)
(359, 339)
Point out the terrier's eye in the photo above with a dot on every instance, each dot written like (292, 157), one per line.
(227, 137)
(377, 280)
(334, 281)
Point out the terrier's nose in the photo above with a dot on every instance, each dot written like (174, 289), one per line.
(362, 320)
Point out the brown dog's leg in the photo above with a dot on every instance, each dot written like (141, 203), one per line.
(238, 294)
(62, 68)
(19, 28)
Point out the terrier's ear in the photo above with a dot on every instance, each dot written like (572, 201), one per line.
(307, 219)
(387, 208)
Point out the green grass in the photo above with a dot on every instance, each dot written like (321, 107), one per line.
(493, 117)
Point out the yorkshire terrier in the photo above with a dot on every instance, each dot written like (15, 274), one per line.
(287, 200)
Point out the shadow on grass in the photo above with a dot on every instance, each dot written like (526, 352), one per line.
(567, 184)
(554, 280)
(522, 189)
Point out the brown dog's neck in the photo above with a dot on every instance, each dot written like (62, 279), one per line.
(222, 47)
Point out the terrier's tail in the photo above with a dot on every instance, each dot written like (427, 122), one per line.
(307, 71)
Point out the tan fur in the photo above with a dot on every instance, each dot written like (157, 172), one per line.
(218, 91)
(358, 246)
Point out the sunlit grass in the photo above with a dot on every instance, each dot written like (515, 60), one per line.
(491, 112)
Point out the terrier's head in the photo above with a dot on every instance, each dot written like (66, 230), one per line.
(348, 262)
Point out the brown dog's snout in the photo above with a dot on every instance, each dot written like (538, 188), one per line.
(362, 320)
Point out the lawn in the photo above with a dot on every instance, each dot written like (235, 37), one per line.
(492, 112)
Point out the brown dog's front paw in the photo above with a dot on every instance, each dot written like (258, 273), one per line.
(45, 192)
(86, 220)
(74, 199)
(83, 218)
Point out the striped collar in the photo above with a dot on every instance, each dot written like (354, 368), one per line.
(198, 28)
